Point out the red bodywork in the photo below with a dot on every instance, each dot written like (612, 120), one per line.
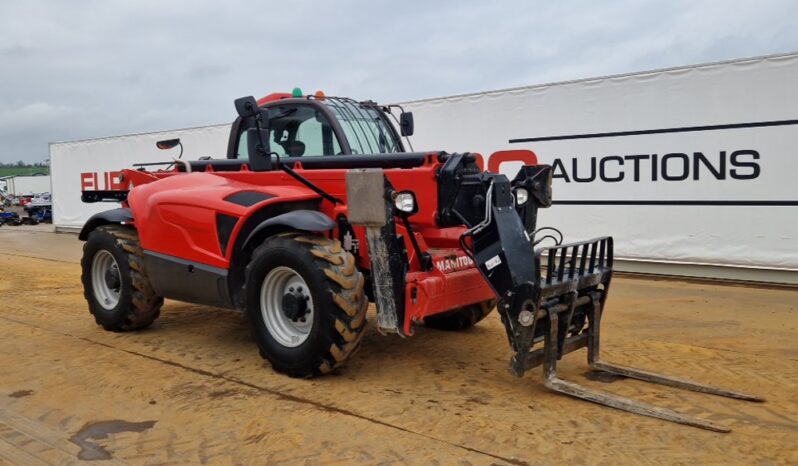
(176, 213)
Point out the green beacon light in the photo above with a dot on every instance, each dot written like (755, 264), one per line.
(297, 92)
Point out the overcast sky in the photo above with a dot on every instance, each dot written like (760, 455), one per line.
(83, 69)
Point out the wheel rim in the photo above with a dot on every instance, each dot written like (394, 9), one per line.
(279, 282)
(105, 279)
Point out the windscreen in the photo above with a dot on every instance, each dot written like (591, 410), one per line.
(364, 126)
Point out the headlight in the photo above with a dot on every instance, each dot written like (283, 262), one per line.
(521, 196)
(405, 202)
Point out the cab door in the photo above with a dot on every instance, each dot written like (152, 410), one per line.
(296, 129)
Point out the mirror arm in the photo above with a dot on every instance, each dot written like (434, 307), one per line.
(399, 125)
(263, 144)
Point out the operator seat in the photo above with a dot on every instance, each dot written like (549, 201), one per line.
(293, 148)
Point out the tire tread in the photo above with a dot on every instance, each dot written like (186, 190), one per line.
(145, 304)
(346, 287)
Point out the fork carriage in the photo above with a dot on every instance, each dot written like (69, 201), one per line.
(573, 292)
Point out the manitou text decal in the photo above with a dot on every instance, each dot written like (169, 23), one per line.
(453, 263)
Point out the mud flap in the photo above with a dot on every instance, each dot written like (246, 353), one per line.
(368, 193)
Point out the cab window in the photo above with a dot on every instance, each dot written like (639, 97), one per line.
(296, 131)
(301, 130)
(367, 131)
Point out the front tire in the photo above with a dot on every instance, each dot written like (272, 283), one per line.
(461, 318)
(305, 300)
(115, 283)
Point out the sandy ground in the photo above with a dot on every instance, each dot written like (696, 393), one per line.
(192, 389)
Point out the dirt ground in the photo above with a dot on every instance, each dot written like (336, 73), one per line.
(192, 389)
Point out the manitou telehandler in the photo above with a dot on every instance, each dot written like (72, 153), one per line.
(317, 210)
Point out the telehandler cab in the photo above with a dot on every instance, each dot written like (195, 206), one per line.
(319, 209)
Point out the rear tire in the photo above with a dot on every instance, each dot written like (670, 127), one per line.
(461, 318)
(115, 282)
(318, 336)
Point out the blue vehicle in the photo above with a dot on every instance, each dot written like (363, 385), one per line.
(39, 214)
(11, 218)
(39, 210)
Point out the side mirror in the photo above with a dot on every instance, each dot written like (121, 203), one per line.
(406, 123)
(246, 106)
(167, 143)
(170, 144)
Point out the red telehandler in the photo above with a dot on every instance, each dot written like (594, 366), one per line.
(317, 210)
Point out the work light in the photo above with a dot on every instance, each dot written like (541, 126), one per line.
(405, 202)
(521, 196)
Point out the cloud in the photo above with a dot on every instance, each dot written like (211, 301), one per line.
(92, 68)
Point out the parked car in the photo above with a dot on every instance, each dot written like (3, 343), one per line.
(40, 208)
(9, 218)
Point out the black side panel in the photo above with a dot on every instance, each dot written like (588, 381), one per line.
(247, 198)
(120, 215)
(187, 281)
(224, 228)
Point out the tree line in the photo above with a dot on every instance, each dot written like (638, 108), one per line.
(21, 164)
